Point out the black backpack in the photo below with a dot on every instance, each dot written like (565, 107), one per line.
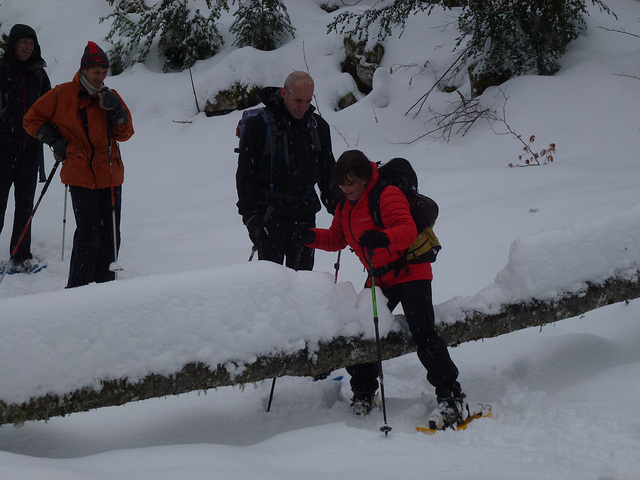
(424, 210)
(272, 130)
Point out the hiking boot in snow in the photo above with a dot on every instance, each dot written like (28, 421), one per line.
(29, 265)
(363, 402)
(449, 412)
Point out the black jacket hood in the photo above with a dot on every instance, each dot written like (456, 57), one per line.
(19, 31)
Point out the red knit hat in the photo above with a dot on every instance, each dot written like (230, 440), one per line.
(93, 56)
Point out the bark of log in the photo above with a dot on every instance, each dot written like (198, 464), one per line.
(337, 353)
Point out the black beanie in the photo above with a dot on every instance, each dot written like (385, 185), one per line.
(93, 56)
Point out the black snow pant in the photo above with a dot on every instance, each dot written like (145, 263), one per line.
(93, 251)
(22, 173)
(417, 304)
(278, 246)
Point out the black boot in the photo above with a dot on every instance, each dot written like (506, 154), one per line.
(363, 402)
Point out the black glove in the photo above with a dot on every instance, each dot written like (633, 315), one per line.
(303, 235)
(112, 104)
(108, 99)
(373, 239)
(48, 133)
(256, 229)
(330, 202)
(59, 148)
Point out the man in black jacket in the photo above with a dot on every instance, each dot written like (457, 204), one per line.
(22, 81)
(283, 155)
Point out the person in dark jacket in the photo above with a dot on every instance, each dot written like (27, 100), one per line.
(353, 226)
(83, 121)
(22, 81)
(279, 164)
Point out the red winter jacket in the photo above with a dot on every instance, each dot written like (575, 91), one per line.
(351, 220)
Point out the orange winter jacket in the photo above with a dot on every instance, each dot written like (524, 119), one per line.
(351, 220)
(87, 159)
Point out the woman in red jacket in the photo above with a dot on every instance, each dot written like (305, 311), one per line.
(353, 226)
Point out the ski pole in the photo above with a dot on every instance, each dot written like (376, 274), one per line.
(273, 387)
(337, 266)
(64, 220)
(385, 428)
(115, 267)
(26, 227)
(273, 381)
(267, 215)
(296, 267)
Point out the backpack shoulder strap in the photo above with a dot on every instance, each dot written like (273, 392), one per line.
(374, 202)
(312, 125)
(272, 131)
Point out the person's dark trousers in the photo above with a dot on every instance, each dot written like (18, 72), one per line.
(364, 378)
(92, 252)
(22, 173)
(279, 245)
(417, 304)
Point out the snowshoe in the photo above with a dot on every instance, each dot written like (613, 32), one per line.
(479, 412)
(27, 266)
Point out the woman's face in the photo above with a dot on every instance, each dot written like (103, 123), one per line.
(353, 187)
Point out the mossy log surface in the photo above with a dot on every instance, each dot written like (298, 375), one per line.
(337, 353)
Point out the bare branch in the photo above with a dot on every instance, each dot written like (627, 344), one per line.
(421, 101)
(626, 75)
(620, 31)
(341, 135)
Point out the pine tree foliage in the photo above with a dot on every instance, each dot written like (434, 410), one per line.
(182, 33)
(382, 20)
(262, 24)
(509, 37)
(502, 37)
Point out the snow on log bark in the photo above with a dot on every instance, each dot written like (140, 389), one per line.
(337, 353)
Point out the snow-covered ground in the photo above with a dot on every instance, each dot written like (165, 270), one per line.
(566, 398)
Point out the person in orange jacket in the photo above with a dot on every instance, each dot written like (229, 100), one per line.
(353, 226)
(83, 121)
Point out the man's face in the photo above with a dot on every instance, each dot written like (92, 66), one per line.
(95, 76)
(298, 100)
(24, 49)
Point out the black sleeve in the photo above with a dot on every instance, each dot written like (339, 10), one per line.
(46, 83)
(326, 164)
(249, 158)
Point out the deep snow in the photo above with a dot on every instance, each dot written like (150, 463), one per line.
(565, 397)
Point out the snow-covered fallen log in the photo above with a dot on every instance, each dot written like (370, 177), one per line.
(102, 345)
(324, 357)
